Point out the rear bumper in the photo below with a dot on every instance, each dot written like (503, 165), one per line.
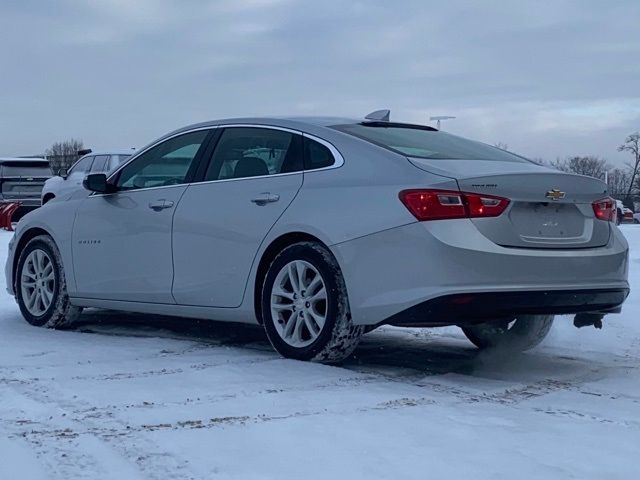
(465, 309)
(392, 271)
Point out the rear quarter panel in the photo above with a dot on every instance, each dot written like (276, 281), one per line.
(360, 197)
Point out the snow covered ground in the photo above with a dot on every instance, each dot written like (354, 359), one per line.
(136, 397)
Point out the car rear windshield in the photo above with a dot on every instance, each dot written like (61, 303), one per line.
(426, 142)
(25, 169)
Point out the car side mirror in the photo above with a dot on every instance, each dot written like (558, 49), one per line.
(63, 173)
(97, 182)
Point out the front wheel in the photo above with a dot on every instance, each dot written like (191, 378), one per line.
(521, 333)
(305, 306)
(41, 288)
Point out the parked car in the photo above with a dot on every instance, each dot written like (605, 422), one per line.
(322, 228)
(627, 215)
(636, 218)
(22, 180)
(95, 162)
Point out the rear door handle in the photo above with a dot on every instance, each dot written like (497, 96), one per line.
(160, 205)
(265, 198)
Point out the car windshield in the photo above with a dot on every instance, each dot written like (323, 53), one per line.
(425, 142)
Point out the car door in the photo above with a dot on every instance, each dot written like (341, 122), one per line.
(73, 181)
(122, 241)
(252, 177)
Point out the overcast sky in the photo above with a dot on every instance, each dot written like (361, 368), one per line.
(548, 78)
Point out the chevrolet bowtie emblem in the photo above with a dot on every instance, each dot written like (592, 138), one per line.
(555, 194)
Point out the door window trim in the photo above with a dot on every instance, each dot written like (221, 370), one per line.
(212, 143)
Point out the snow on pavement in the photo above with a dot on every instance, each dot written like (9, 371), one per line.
(126, 396)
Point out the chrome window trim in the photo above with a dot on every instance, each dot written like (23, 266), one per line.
(338, 158)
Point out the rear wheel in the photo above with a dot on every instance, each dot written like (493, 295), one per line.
(521, 333)
(41, 288)
(305, 306)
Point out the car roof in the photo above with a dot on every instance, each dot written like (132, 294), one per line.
(111, 152)
(293, 122)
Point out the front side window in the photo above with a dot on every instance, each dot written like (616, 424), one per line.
(83, 165)
(165, 164)
(251, 152)
(100, 164)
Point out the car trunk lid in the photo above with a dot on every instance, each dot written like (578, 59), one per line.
(548, 209)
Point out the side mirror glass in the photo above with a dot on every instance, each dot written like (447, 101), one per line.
(97, 182)
(63, 173)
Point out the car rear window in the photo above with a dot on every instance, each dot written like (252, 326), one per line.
(426, 142)
(25, 169)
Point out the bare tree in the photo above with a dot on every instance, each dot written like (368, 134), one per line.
(63, 154)
(632, 145)
(618, 182)
(501, 146)
(588, 165)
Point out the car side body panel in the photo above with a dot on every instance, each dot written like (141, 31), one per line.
(122, 248)
(217, 232)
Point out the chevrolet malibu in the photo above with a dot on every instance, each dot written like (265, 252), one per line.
(321, 229)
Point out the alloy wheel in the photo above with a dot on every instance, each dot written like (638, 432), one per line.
(37, 282)
(299, 303)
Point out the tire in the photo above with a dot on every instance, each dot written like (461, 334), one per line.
(524, 333)
(54, 309)
(302, 325)
(636, 221)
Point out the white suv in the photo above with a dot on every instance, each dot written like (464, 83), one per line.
(94, 162)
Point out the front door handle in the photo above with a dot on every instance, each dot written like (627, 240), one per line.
(160, 205)
(265, 198)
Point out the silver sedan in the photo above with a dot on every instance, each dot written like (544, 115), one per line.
(322, 229)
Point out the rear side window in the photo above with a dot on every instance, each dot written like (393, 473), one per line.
(245, 152)
(424, 142)
(100, 164)
(117, 160)
(83, 165)
(316, 155)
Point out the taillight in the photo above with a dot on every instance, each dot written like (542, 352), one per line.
(605, 209)
(445, 204)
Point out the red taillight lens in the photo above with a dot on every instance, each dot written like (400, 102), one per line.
(605, 209)
(445, 204)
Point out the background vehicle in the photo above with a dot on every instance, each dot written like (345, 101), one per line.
(321, 228)
(94, 162)
(627, 215)
(619, 212)
(22, 180)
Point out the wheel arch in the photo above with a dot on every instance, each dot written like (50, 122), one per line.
(48, 197)
(269, 254)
